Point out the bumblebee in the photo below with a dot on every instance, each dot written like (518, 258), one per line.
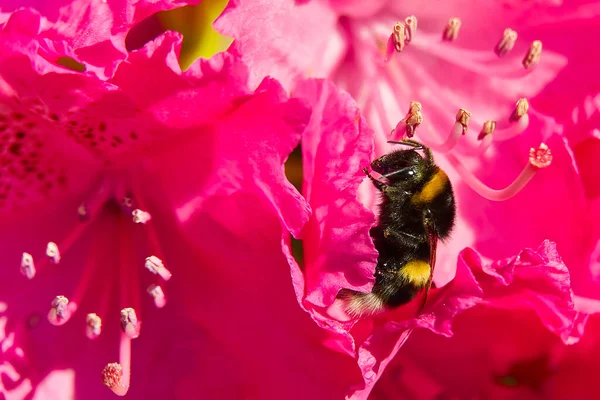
(417, 209)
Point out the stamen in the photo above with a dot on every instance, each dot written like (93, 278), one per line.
(533, 55)
(93, 326)
(462, 117)
(451, 31)
(399, 36)
(507, 43)
(410, 28)
(129, 323)
(27, 266)
(116, 376)
(538, 158)
(140, 217)
(488, 128)
(159, 296)
(413, 118)
(61, 311)
(156, 266)
(52, 252)
(451, 141)
(520, 110)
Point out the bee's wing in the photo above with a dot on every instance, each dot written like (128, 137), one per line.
(433, 239)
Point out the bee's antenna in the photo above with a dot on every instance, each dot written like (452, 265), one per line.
(416, 145)
(411, 143)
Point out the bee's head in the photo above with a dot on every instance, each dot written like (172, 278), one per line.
(399, 165)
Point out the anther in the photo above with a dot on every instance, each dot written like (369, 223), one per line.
(129, 323)
(462, 117)
(413, 118)
(538, 158)
(159, 296)
(399, 36)
(533, 55)
(451, 31)
(61, 311)
(27, 265)
(156, 266)
(488, 128)
(140, 217)
(410, 28)
(507, 42)
(52, 252)
(520, 110)
(93, 326)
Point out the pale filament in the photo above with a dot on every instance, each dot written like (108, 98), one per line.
(451, 141)
(117, 376)
(538, 158)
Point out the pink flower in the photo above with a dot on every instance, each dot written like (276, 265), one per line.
(470, 76)
(150, 204)
(494, 354)
(338, 252)
(348, 43)
(82, 34)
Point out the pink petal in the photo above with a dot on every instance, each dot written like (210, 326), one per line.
(289, 49)
(336, 146)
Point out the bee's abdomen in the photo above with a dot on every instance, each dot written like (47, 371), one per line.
(400, 283)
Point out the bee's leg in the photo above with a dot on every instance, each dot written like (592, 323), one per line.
(379, 185)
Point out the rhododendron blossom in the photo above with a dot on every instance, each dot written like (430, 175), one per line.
(141, 213)
(464, 79)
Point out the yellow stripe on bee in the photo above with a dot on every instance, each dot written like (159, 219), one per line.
(436, 185)
(416, 271)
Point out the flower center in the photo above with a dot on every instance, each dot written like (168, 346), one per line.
(393, 70)
(111, 191)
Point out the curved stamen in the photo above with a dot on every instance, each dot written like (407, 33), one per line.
(451, 31)
(61, 311)
(533, 55)
(116, 376)
(93, 326)
(538, 158)
(507, 43)
(408, 124)
(159, 296)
